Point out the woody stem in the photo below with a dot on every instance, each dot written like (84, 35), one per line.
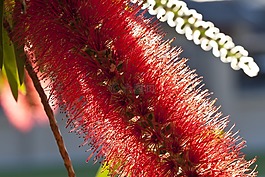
(53, 123)
(48, 110)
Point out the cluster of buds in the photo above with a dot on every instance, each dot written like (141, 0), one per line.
(191, 24)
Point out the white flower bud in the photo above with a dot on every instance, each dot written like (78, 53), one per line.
(190, 23)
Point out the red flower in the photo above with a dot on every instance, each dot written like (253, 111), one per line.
(127, 92)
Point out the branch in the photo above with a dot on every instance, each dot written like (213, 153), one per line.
(52, 120)
(47, 109)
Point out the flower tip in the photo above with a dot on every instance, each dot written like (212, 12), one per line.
(249, 66)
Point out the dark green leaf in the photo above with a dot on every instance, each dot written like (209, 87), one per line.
(10, 65)
(20, 60)
(1, 29)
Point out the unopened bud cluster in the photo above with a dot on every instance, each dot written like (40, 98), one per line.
(190, 23)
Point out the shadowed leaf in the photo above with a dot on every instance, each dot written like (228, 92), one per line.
(1, 29)
(9, 64)
(20, 61)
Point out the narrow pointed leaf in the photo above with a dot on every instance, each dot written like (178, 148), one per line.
(1, 29)
(20, 61)
(9, 64)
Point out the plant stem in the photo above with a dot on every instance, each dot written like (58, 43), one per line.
(53, 123)
(47, 108)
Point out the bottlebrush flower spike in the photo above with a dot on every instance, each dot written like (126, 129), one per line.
(204, 33)
(126, 92)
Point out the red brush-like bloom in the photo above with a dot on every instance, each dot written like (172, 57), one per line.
(127, 92)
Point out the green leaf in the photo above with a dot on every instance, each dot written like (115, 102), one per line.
(20, 60)
(1, 31)
(10, 65)
(103, 171)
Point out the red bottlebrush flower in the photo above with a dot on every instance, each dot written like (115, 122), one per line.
(127, 92)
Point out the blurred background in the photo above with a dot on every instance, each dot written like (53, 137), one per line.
(34, 152)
